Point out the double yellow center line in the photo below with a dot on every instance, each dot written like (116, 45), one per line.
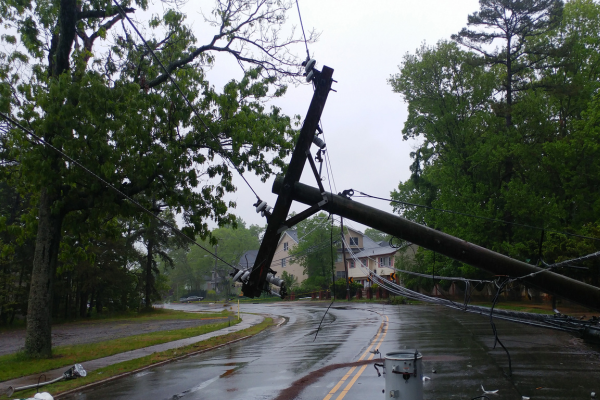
(381, 332)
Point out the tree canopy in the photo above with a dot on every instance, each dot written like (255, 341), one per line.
(76, 74)
(315, 250)
(514, 180)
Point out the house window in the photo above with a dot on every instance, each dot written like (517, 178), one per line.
(285, 246)
(384, 262)
(351, 263)
(353, 241)
(340, 257)
(283, 263)
(340, 274)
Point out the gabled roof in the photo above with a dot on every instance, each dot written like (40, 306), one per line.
(377, 251)
(369, 243)
(291, 233)
(248, 258)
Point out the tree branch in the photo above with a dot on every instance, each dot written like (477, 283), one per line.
(101, 13)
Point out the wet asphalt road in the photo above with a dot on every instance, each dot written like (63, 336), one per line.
(458, 346)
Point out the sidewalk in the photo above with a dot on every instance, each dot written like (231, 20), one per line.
(92, 365)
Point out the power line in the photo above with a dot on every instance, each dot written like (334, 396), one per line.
(302, 25)
(108, 185)
(328, 163)
(474, 216)
(185, 98)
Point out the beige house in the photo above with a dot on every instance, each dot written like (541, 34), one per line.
(282, 260)
(363, 253)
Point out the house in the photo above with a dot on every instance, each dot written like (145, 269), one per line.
(282, 260)
(247, 259)
(375, 256)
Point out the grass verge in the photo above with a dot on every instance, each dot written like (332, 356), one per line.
(516, 307)
(128, 366)
(156, 314)
(16, 365)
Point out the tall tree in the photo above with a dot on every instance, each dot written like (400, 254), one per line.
(114, 109)
(551, 144)
(514, 22)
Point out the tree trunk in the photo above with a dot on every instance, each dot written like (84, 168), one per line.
(38, 340)
(83, 304)
(149, 280)
(91, 306)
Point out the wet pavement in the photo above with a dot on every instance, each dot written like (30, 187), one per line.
(546, 364)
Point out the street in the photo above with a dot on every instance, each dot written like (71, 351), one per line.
(546, 364)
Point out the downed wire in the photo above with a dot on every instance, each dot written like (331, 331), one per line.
(537, 320)
(494, 330)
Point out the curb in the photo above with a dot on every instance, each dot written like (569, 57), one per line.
(158, 364)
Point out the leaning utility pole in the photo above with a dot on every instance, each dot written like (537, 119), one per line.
(447, 245)
(260, 276)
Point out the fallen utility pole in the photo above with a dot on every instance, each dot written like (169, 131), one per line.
(257, 281)
(447, 245)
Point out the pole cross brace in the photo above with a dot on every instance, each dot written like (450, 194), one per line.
(303, 215)
(257, 281)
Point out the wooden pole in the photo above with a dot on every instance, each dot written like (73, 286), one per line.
(448, 245)
(257, 279)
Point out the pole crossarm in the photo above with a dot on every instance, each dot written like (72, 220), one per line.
(448, 245)
(257, 280)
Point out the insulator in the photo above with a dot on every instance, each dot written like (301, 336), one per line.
(261, 206)
(244, 277)
(310, 64)
(319, 142)
(273, 280)
(310, 76)
(237, 276)
(266, 210)
(274, 292)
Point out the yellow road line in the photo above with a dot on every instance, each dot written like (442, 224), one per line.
(362, 369)
(341, 382)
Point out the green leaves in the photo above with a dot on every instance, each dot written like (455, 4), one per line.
(314, 250)
(533, 161)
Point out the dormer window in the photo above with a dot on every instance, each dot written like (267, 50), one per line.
(353, 241)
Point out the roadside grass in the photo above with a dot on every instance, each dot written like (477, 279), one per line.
(132, 365)
(156, 314)
(16, 365)
(518, 307)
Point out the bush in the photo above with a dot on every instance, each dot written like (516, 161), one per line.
(211, 295)
(340, 288)
(397, 300)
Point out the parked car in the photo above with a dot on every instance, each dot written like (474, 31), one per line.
(183, 299)
(194, 298)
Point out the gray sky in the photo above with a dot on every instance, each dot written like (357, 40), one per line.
(364, 43)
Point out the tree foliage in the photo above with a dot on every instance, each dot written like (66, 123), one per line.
(79, 77)
(315, 250)
(540, 169)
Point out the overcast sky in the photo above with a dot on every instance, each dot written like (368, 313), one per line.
(364, 43)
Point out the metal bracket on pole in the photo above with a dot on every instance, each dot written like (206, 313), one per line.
(256, 282)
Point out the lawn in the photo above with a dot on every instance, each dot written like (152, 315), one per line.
(16, 365)
(133, 365)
